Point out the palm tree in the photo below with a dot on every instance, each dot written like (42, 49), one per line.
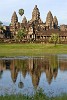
(21, 12)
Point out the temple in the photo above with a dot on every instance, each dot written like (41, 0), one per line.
(35, 28)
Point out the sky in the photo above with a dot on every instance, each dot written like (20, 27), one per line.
(57, 7)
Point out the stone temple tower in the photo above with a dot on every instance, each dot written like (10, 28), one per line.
(36, 15)
(49, 19)
(51, 22)
(55, 22)
(14, 24)
(24, 20)
(14, 18)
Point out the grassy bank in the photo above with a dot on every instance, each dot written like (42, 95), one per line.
(38, 96)
(31, 49)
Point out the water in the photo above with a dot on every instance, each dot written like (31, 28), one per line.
(26, 75)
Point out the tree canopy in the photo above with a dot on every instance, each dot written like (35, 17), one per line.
(54, 38)
(1, 23)
(21, 12)
(20, 34)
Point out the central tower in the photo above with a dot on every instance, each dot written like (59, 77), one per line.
(35, 13)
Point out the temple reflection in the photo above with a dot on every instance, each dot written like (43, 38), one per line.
(35, 67)
(63, 65)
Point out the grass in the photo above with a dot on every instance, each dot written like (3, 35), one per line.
(37, 96)
(31, 49)
(63, 97)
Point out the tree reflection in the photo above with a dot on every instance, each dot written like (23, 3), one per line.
(1, 68)
(20, 84)
(1, 72)
(52, 69)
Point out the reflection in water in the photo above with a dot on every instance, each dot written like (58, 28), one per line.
(29, 73)
(20, 84)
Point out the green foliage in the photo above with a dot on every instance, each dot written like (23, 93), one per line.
(1, 27)
(15, 97)
(21, 12)
(1, 23)
(62, 97)
(54, 38)
(10, 24)
(20, 34)
(38, 96)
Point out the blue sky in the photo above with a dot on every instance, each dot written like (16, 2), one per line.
(57, 7)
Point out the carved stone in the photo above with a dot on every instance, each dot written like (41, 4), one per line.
(14, 18)
(35, 13)
(55, 22)
(24, 20)
(49, 19)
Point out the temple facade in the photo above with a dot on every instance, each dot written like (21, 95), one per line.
(36, 29)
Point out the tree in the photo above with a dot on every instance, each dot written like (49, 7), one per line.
(1, 27)
(54, 38)
(20, 34)
(21, 12)
(1, 23)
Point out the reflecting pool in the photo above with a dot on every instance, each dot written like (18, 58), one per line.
(26, 75)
